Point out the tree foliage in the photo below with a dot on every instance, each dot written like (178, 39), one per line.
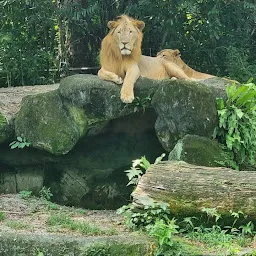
(218, 37)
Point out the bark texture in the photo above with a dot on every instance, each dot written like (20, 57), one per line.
(187, 188)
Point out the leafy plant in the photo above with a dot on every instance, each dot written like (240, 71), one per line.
(236, 215)
(19, 143)
(3, 120)
(45, 193)
(140, 218)
(247, 229)
(237, 122)
(25, 194)
(164, 232)
(139, 167)
(211, 213)
(141, 104)
(40, 253)
(2, 216)
(214, 237)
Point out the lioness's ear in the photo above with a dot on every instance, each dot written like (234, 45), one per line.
(140, 24)
(111, 24)
(177, 52)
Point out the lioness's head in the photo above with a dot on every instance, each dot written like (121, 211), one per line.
(172, 55)
(127, 33)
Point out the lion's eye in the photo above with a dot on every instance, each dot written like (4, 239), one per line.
(131, 32)
(119, 32)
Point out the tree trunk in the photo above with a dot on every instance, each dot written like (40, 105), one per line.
(188, 188)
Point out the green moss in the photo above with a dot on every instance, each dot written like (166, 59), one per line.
(202, 151)
(30, 245)
(80, 118)
(44, 121)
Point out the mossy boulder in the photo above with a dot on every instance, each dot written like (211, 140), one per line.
(101, 99)
(44, 121)
(201, 151)
(183, 108)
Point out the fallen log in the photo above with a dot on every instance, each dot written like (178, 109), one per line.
(188, 188)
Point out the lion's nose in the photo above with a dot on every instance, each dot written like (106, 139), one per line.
(125, 42)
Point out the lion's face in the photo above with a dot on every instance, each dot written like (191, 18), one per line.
(172, 55)
(126, 33)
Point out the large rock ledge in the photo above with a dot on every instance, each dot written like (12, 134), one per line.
(83, 137)
(54, 119)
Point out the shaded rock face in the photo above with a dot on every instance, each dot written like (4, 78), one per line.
(183, 108)
(92, 174)
(83, 137)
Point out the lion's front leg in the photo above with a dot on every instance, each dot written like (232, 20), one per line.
(109, 76)
(174, 70)
(132, 74)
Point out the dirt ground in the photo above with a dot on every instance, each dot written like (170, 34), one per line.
(30, 216)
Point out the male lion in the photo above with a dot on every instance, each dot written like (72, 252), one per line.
(121, 59)
(174, 56)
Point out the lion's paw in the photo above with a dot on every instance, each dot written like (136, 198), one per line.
(174, 78)
(119, 80)
(127, 97)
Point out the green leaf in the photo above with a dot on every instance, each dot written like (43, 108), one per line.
(19, 139)
(144, 163)
(231, 91)
(239, 113)
(133, 172)
(15, 145)
(245, 98)
(238, 92)
(220, 103)
(21, 145)
(12, 143)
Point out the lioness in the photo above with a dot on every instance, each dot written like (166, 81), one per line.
(121, 59)
(175, 57)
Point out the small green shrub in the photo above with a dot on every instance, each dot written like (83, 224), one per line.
(25, 194)
(139, 167)
(164, 234)
(2, 216)
(141, 218)
(45, 193)
(140, 104)
(19, 143)
(237, 122)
